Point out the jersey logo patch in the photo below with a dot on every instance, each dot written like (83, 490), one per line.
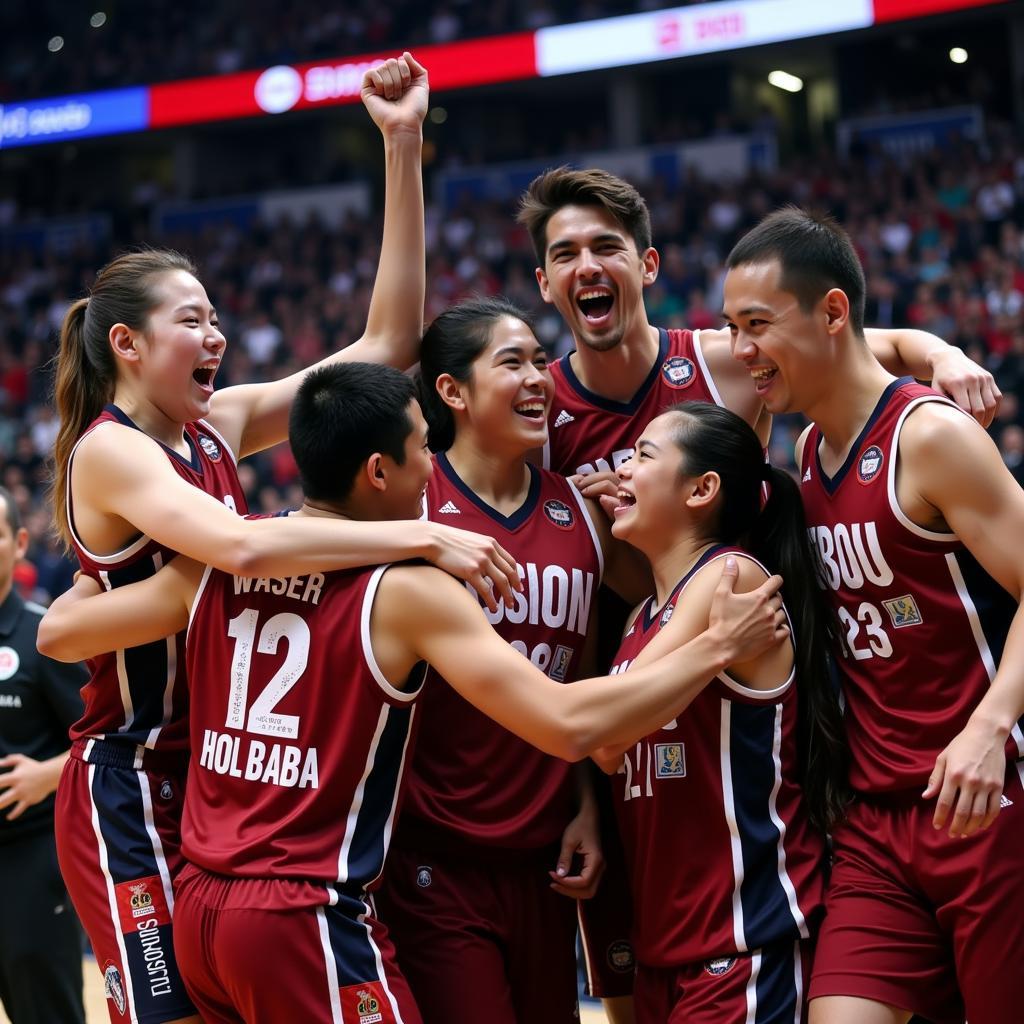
(720, 965)
(559, 513)
(209, 446)
(678, 372)
(869, 464)
(903, 611)
(665, 616)
(620, 956)
(1005, 801)
(424, 876)
(448, 508)
(113, 987)
(807, 475)
(9, 662)
(560, 662)
(166, 790)
(365, 1004)
(562, 418)
(670, 760)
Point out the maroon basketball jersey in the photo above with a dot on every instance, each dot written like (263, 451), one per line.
(722, 857)
(298, 741)
(588, 433)
(471, 777)
(137, 697)
(922, 625)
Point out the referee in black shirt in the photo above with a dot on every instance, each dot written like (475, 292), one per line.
(40, 941)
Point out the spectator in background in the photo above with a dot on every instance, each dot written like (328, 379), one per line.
(40, 941)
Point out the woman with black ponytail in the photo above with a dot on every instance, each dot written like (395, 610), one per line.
(724, 810)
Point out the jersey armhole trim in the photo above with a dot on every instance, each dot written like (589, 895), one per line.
(207, 572)
(901, 517)
(390, 690)
(710, 380)
(585, 512)
(764, 696)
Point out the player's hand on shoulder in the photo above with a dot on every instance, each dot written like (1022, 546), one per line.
(971, 386)
(480, 561)
(746, 622)
(396, 94)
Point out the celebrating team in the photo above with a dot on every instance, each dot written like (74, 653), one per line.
(312, 709)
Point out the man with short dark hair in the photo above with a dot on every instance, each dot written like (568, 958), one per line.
(40, 941)
(917, 524)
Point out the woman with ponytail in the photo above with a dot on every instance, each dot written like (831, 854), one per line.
(723, 811)
(145, 468)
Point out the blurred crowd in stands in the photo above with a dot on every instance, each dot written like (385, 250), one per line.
(941, 238)
(161, 40)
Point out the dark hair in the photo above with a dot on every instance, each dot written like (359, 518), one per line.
(566, 186)
(342, 414)
(123, 293)
(713, 439)
(815, 255)
(451, 345)
(13, 515)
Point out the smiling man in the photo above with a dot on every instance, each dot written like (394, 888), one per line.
(917, 524)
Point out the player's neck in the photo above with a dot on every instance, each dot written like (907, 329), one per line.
(149, 418)
(501, 479)
(854, 386)
(671, 563)
(618, 373)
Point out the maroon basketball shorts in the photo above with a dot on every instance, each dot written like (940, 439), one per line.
(481, 936)
(264, 951)
(766, 986)
(119, 847)
(923, 922)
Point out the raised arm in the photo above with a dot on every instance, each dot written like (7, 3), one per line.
(121, 475)
(86, 621)
(952, 469)
(255, 416)
(907, 352)
(421, 615)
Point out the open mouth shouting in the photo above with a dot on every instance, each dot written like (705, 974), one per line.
(595, 304)
(626, 502)
(532, 409)
(203, 375)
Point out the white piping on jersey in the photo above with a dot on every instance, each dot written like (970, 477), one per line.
(211, 429)
(585, 511)
(207, 572)
(115, 919)
(333, 988)
(1020, 771)
(154, 839)
(133, 548)
(755, 973)
(798, 982)
(172, 672)
(729, 806)
(381, 973)
(734, 684)
(352, 819)
(901, 517)
(389, 824)
(404, 696)
(585, 943)
(122, 674)
(712, 386)
(773, 812)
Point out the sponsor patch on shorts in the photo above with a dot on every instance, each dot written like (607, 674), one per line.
(141, 899)
(366, 1003)
(113, 987)
(620, 956)
(720, 965)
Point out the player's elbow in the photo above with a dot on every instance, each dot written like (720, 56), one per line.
(53, 640)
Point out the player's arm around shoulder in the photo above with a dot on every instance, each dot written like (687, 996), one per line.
(86, 621)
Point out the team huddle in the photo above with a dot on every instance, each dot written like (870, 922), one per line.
(336, 762)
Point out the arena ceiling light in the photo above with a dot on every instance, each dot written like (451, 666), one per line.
(784, 80)
(958, 55)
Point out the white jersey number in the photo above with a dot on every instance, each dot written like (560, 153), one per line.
(877, 639)
(262, 719)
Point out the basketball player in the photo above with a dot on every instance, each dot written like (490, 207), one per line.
(489, 817)
(591, 233)
(145, 466)
(296, 776)
(917, 523)
(724, 932)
